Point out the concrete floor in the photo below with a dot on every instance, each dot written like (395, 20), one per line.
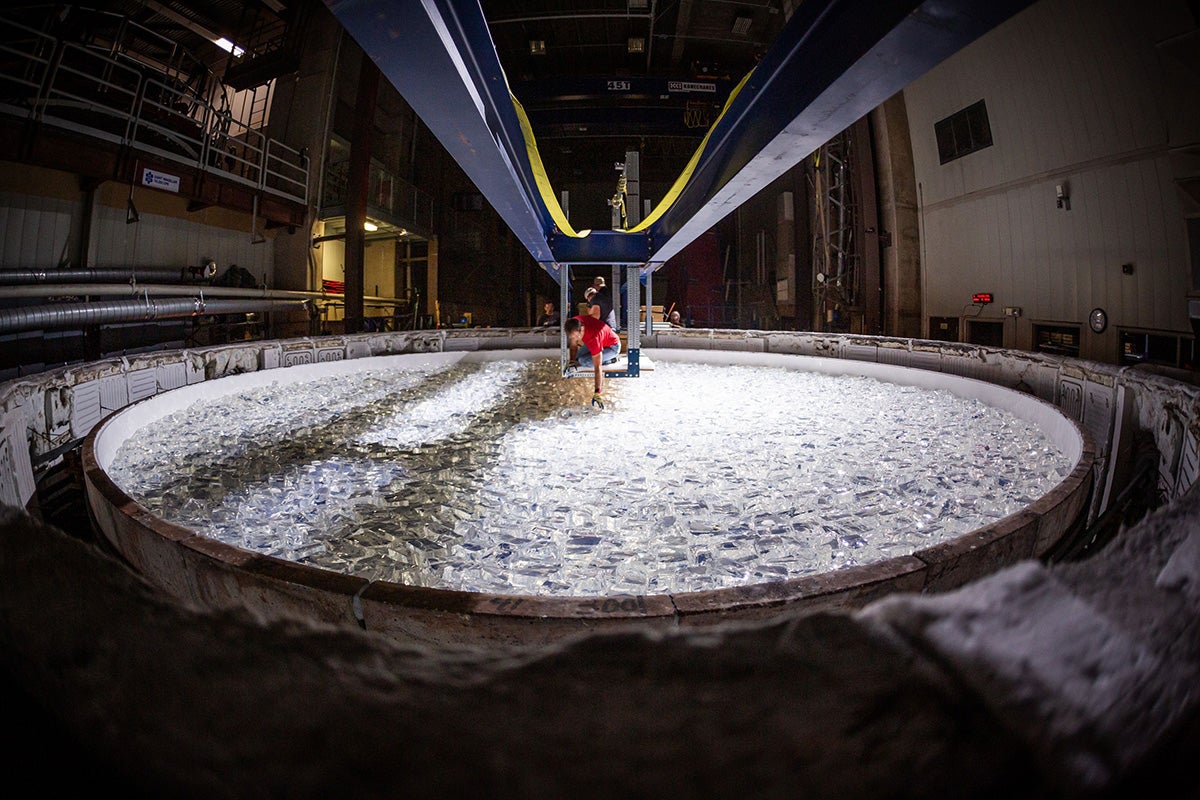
(1076, 680)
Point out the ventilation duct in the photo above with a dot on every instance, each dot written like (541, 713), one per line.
(168, 290)
(22, 277)
(80, 315)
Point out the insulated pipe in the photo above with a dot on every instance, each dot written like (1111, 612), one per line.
(20, 277)
(161, 290)
(79, 315)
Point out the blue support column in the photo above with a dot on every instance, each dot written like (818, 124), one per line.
(564, 311)
(649, 302)
(633, 348)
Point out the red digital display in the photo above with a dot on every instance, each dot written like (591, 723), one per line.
(984, 298)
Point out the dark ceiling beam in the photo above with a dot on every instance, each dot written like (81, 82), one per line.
(682, 20)
(191, 24)
(650, 36)
(566, 17)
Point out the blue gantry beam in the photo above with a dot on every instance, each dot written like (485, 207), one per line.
(834, 61)
(440, 57)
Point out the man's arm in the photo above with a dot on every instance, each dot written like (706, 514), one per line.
(594, 311)
(596, 362)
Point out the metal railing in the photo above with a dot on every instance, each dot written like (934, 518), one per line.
(94, 92)
(388, 195)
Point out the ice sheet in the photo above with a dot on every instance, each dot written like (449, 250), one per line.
(499, 477)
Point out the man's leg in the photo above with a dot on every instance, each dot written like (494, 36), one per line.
(584, 356)
(611, 353)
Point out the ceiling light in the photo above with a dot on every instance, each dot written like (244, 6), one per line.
(229, 47)
(637, 44)
(741, 24)
(537, 47)
(370, 226)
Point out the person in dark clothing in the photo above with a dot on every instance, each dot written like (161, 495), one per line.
(549, 316)
(624, 294)
(600, 305)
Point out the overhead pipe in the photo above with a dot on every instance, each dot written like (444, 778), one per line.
(80, 315)
(22, 277)
(167, 290)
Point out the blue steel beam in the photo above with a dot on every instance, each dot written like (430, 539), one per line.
(440, 57)
(833, 63)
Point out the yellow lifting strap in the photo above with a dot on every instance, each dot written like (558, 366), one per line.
(547, 191)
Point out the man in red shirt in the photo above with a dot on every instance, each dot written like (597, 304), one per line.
(591, 340)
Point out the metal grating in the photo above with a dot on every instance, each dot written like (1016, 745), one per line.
(1189, 464)
(1099, 406)
(923, 359)
(327, 354)
(143, 383)
(85, 408)
(860, 352)
(171, 376)
(1070, 398)
(114, 392)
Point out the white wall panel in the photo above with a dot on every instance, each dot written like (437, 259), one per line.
(162, 241)
(1074, 93)
(143, 383)
(86, 411)
(38, 231)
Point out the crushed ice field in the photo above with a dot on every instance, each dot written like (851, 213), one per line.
(499, 477)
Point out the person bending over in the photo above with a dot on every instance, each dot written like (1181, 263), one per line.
(591, 341)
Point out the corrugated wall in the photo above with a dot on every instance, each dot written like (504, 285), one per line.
(42, 232)
(170, 241)
(1075, 95)
(39, 232)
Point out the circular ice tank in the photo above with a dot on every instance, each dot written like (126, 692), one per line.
(205, 569)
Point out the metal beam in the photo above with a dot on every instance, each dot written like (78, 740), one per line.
(440, 57)
(834, 61)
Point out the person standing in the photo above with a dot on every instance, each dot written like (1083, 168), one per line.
(600, 304)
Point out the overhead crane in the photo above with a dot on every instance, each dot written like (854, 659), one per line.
(833, 62)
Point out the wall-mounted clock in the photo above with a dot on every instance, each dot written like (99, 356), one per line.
(1098, 319)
